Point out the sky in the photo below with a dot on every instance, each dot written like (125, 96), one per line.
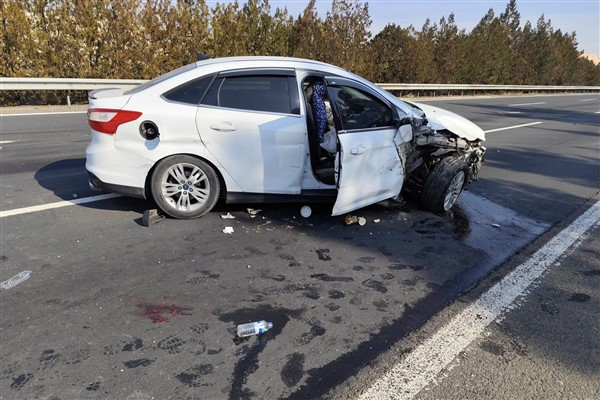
(579, 16)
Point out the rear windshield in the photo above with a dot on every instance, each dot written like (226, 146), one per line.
(161, 78)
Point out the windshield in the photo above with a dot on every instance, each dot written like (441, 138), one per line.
(161, 78)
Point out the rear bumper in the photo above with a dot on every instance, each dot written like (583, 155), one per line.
(98, 185)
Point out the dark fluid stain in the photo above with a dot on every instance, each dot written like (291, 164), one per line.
(595, 272)
(172, 344)
(20, 381)
(358, 268)
(375, 285)
(135, 345)
(293, 370)
(193, 377)
(579, 297)
(160, 313)
(143, 362)
(410, 282)
(492, 348)
(48, 359)
(366, 260)
(381, 305)
(336, 294)
(248, 364)
(550, 308)
(399, 267)
(213, 352)
(92, 387)
(323, 254)
(387, 276)
(3, 258)
(329, 278)
(307, 337)
(332, 307)
(199, 328)
(278, 278)
(462, 226)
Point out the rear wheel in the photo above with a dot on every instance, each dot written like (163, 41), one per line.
(185, 187)
(444, 184)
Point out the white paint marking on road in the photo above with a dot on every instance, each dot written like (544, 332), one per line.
(589, 100)
(513, 127)
(422, 366)
(6, 141)
(83, 200)
(597, 112)
(42, 113)
(527, 104)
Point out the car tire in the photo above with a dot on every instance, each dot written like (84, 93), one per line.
(185, 187)
(444, 184)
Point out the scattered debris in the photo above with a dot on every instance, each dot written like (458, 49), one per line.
(496, 225)
(305, 211)
(376, 221)
(227, 216)
(353, 219)
(253, 212)
(15, 280)
(228, 229)
(253, 328)
(151, 217)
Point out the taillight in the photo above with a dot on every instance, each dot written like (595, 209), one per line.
(107, 120)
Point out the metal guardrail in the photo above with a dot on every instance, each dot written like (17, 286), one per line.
(90, 84)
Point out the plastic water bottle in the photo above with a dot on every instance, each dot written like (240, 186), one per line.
(15, 280)
(253, 328)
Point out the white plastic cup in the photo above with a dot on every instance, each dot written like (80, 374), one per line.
(305, 211)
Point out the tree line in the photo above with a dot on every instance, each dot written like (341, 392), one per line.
(132, 39)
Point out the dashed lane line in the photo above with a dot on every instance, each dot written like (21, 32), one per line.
(423, 365)
(513, 127)
(66, 203)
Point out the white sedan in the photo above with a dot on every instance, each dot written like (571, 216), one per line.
(273, 129)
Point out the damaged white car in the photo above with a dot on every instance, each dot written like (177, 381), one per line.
(272, 129)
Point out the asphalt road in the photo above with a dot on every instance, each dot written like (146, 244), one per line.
(117, 310)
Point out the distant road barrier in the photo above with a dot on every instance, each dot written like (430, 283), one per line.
(90, 84)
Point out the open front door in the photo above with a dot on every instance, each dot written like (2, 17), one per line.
(369, 169)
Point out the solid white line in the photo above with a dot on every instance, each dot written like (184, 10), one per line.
(588, 100)
(6, 141)
(513, 127)
(43, 113)
(421, 366)
(526, 104)
(597, 112)
(83, 200)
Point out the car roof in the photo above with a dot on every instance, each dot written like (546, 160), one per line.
(263, 59)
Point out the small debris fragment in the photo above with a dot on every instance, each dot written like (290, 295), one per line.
(362, 221)
(228, 229)
(376, 221)
(74, 195)
(227, 216)
(496, 225)
(15, 280)
(253, 212)
(351, 219)
(151, 217)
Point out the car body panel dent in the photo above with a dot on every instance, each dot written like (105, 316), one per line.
(440, 119)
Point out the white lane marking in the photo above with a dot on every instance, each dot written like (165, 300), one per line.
(597, 112)
(66, 203)
(42, 113)
(514, 127)
(421, 366)
(6, 141)
(588, 100)
(527, 104)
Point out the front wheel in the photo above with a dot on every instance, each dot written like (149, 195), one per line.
(185, 187)
(444, 184)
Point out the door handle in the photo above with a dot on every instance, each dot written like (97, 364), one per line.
(357, 150)
(223, 127)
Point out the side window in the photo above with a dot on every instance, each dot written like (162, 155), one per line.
(190, 92)
(269, 93)
(360, 110)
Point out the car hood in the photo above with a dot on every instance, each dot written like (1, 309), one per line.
(444, 119)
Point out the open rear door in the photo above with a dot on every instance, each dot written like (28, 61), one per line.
(369, 169)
